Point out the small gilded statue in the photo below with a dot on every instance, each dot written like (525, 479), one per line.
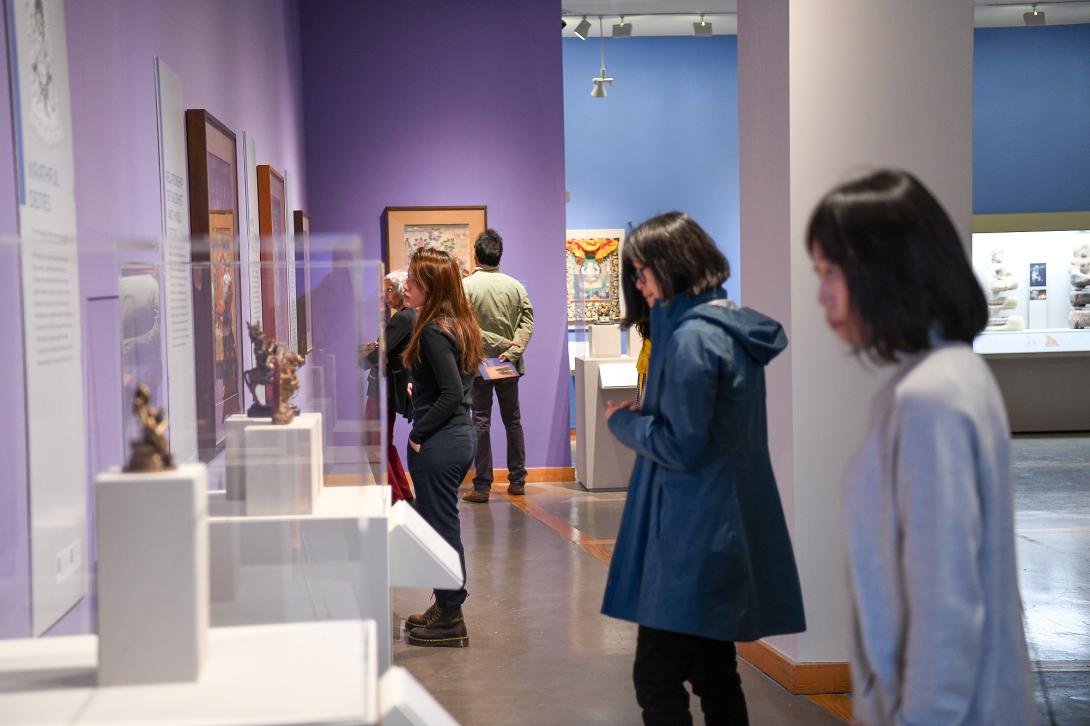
(285, 364)
(262, 372)
(150, 452)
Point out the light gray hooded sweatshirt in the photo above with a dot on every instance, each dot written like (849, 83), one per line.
(937, 615)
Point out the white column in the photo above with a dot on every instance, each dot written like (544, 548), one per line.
(827, 91)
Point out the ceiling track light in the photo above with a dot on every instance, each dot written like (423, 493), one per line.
(703, 28)
(599, 90)
(622, 29)
(582, 31)
(1034, 17)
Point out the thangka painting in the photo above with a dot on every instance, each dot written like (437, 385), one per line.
(451, 229)
(452, 238)
(594, 274)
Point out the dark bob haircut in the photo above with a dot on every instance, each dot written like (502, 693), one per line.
(680, 254)
(905, 267)
(489, 248)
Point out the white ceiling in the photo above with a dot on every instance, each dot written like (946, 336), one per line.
(675, 17)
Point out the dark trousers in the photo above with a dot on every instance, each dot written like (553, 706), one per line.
(437, 471)
(507, 391)
(664, 661)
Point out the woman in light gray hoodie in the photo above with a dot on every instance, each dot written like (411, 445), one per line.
(937, 616)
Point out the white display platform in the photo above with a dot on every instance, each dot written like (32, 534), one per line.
(303, 673)
(601, 462)
(339, 562)
(152, 536)
(419, 557)
(604, 340)
(235, 454)
(284, 466)
(404, 702)
(1054, 341)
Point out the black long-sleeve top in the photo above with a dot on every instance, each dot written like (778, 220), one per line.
(440, 388)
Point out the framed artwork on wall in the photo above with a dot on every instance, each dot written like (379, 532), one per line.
(593, 264)
(454, 229)
(272, 226)
(302, 280)
(212, 162)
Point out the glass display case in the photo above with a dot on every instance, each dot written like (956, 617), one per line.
(1038, 290)
(196, 510)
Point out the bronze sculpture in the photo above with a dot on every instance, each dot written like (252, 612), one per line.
(285, 365)
(151, 452)
(262, 372)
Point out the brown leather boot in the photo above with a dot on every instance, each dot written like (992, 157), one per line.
(446, 631)
(515, 490)
(476, 496)
(422, 619)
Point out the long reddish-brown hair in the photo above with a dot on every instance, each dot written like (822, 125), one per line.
(445, 304)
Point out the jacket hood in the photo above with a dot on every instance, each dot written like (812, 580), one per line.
(761, 336)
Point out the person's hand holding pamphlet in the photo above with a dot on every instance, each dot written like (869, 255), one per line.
(494, 369)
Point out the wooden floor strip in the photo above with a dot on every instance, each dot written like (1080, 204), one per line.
(599, 549)
(838, 704)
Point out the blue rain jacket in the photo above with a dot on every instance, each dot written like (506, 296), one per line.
(703, 547)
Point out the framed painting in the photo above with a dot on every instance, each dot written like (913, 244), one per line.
(593, 264)
(212, 161)
(272, 227)
(453, 229)
(302, 280)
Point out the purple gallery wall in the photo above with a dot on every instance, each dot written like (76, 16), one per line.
(241, 61)
(436, 103)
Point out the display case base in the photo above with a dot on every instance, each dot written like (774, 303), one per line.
(302, 673)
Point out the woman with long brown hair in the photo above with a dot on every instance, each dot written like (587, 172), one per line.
(442, 357)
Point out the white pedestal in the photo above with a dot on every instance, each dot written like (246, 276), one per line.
(404, 702)
(152, 575)
(605, 340)
(601, 462)
(635, 342)
(236, 453)
(284, 466)
(303, 673)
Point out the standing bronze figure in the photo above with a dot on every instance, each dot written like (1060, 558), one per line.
(262, 372)
(286, 364)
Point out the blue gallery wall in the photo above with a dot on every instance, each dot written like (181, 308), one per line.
(1031, 119)
(667, 135)
(665, 138)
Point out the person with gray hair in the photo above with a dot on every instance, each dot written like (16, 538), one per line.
(398, 330)
(394, 285)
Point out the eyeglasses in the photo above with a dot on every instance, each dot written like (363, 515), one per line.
(637, 275)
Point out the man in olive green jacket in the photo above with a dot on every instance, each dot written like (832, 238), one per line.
(507, 321)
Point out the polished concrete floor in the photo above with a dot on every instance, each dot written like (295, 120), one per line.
(542, 654)
(1052, 524)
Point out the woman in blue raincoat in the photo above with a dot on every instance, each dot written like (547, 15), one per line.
(703, 557)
